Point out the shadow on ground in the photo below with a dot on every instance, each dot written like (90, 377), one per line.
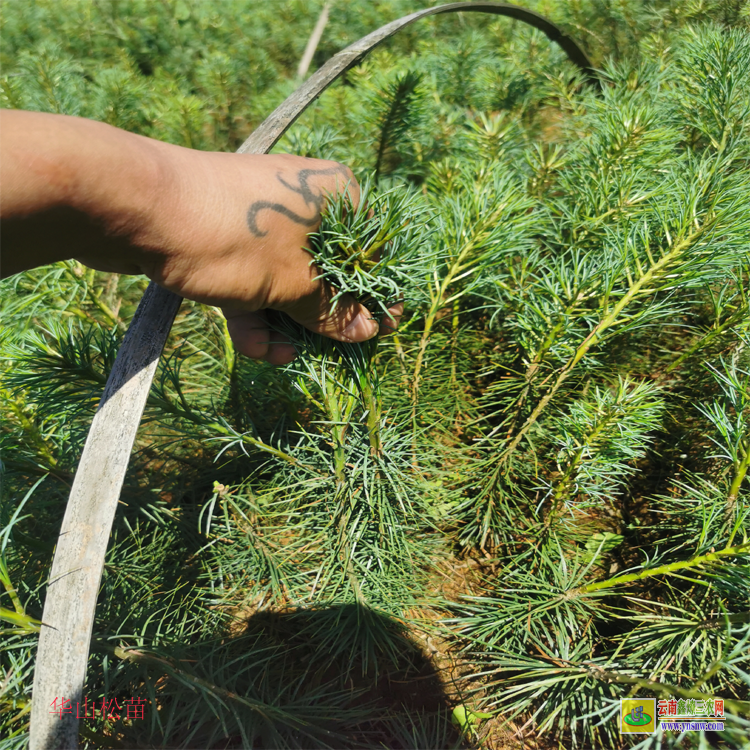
(343, 676)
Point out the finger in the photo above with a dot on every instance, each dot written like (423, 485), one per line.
(252, 337)
(249, 332)
(348, 321)
(390, 322)
(280, 352)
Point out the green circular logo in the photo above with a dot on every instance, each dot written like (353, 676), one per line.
(637, 721)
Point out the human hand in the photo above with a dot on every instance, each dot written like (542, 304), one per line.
(225, 229)
(236, 230)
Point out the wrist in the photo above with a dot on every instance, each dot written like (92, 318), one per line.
(120, 184)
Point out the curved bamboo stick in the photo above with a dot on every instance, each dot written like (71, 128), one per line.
(68, 619)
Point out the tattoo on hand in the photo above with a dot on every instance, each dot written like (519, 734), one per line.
(312, 197)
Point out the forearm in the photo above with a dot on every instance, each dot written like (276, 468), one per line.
(72, 187)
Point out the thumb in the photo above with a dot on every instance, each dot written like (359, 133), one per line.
(349, 321)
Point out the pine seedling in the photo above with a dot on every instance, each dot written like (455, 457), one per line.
(372, 252)
(599, 440)
(398, 110)
(568, 262)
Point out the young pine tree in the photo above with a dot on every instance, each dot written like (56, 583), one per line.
(541, 477)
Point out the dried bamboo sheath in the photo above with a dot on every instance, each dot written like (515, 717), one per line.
(70, 604)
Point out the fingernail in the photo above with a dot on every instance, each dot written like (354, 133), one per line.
(363, 327)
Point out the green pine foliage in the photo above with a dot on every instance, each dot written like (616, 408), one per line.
(543, 472)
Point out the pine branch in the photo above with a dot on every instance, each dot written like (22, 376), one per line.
(397, 114)
(639, 288)
(670, 568)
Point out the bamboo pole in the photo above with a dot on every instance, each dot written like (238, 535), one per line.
(313, 42)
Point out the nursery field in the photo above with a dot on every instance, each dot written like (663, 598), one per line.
(485, 530)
